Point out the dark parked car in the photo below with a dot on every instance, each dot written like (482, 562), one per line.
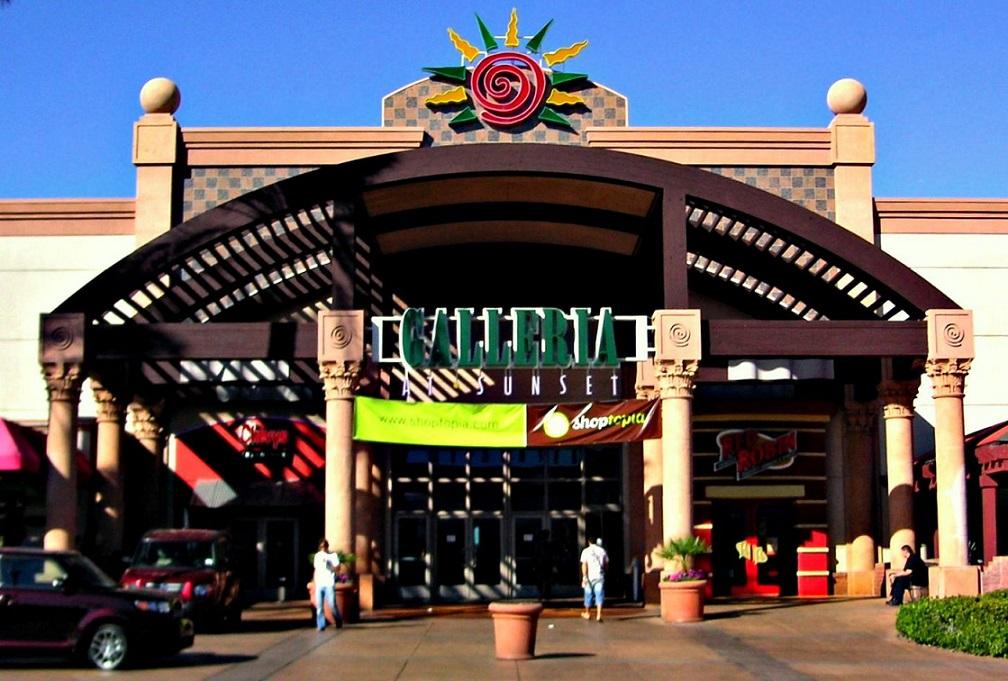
(60, 602)
(194, 565)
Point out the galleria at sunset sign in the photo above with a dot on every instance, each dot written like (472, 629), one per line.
(522, 338)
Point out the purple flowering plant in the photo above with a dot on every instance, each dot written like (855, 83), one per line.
(680, 553)
(691, 575)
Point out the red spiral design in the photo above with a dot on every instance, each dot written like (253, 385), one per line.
(503, 87)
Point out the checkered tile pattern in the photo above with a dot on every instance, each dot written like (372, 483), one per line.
(206, 188)
(406, 108)
(810, 188)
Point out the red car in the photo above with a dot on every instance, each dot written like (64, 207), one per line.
(194, 565)
(60, 602)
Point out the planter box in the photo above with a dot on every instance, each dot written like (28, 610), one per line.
(682, 601)
(515, 629)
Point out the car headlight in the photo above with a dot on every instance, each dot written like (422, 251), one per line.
(202, 590)
(153, 606)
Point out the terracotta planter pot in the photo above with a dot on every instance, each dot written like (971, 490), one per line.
(682, 601)
(515, 629)
(348, 602)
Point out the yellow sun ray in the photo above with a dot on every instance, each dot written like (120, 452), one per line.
(511, 39)
(564, 53)
(453, 96)
(564, 98)
(468, 50)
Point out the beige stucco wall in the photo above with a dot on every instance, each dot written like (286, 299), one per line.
(36, 274)
(972, 269)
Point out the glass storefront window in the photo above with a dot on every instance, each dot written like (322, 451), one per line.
(564, 463)
(486, 463)
(603, 462)
(564, 496)
(598, 492)
(527, 496)
(410, 464)
(449, 496)
(449, 463)
(527, 463)
(409, 496)
(487, 496)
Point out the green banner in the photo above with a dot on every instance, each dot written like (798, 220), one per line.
(441, 423)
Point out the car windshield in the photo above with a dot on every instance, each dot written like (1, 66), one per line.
(184, 554)
(86, 573)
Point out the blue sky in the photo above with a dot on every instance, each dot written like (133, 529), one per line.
(70, 74)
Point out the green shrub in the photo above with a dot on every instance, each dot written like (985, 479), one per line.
(973, 625)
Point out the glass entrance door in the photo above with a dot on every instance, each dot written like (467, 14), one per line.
(754, 553)
(469, 558)
(411, 568)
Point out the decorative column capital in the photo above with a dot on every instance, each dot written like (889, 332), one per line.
(340, 380)
(646, 384)
(859, 417)
(897, 398)
(108, 408)
(63, 381)
(948, 376)
(675, 377)
(145, 420)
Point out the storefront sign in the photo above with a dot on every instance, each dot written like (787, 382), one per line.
(506, 88)
(527, 337)
(505, 425)
(261, 442)
(594, 423)
(445, 424)
(752, 452)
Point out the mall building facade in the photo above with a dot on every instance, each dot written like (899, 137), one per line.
(204, 344)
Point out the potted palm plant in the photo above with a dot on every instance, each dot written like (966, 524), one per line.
(682, 585)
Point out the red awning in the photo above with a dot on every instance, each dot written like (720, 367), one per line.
(22, 449)
(17, 453)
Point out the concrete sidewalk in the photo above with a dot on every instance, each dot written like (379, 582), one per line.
(779, 640)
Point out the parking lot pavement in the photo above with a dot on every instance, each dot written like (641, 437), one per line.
(782, 640)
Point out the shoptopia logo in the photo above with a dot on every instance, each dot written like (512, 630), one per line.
(595, 422)
(505, 88)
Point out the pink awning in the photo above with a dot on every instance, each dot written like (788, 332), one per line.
(17, 453)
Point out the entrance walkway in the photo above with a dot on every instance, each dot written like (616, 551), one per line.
(786, 640)
(778, 640)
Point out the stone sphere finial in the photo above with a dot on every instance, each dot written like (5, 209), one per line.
(847, 96)
(160, 95)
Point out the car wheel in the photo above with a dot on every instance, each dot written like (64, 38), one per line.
(108, 646)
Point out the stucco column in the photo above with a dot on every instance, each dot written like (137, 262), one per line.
(63, 382)
(852, 150)
(677, 355)
(341, 352)
(157, 139)
(651, 455)
(859, 476)
(897, 410)
(144, 424)
(340, 381)
(836, 517)
(109, 493)
(950, 354)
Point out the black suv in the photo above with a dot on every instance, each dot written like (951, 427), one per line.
(60, 602)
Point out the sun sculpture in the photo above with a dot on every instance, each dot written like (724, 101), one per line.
(506, 88)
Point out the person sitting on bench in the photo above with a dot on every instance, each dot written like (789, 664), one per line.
(914, 573)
